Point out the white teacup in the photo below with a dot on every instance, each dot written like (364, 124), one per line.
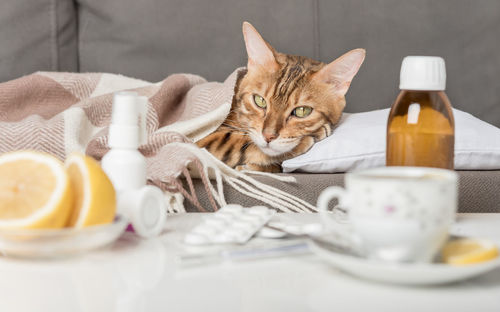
(396, 213)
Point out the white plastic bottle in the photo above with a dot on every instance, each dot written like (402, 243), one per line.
(142, 204)
(124, 164)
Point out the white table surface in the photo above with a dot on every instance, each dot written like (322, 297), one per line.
(141, 275)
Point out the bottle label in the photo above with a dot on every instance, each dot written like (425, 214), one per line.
(413, 113)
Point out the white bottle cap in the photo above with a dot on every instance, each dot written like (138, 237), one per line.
(423, 73)
(128, 121)
(145, 209)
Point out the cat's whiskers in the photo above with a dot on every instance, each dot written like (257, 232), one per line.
(288, 140)
(275, 99)
(242, 130)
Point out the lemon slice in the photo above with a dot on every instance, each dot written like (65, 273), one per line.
(95, 199)
(35, 191)
(468, 251)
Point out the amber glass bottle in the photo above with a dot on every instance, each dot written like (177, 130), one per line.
(420, 129)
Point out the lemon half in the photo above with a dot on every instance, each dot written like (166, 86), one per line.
(35, 191)
(468, 251)
(94, 194)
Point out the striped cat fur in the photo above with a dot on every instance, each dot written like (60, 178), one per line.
(282, 105)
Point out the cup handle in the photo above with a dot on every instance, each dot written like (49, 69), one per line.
(343, 232)
(324, 198)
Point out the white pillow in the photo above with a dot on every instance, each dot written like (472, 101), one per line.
(359, 142)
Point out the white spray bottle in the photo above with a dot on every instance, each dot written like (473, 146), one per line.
(142, 204)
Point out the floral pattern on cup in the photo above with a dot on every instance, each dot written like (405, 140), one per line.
(408, 208)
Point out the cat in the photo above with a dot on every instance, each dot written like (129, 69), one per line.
(282, 105)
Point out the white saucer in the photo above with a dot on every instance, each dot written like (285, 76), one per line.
(403, 273)
(50, 243)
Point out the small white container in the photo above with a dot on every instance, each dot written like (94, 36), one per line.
(146, 209)
(143, 205)
(124, 164)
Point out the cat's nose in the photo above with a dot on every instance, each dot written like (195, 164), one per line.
(269, 136)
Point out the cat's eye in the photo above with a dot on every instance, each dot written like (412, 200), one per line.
(302, 111)
(259, 101)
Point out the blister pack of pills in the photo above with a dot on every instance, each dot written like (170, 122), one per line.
(230, 224)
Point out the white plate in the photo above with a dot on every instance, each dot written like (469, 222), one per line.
(403, 273)
(39, 243)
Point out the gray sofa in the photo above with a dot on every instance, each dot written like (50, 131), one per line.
(151, 39)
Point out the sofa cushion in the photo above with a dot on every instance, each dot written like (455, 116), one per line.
(479, 191)
(151, 39)
(37, 35)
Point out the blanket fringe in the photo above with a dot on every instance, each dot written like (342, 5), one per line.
(297, 202)
(288, 179)
(262, 196)
(208, 187)
(174, 202)
(206, 163)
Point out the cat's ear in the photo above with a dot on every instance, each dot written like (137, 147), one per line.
(340, 72)
(260, 54)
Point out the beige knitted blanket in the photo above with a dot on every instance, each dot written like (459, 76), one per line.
(61, 113)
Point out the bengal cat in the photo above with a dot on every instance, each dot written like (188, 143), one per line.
(282, 105)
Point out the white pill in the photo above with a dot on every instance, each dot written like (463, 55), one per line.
(228, 217)
(205, 229)
(243, 238)
(312, 228)
(232, 208)
(241, 224)
(270, 233)
(216, 223)
(294, 229)
(259, 210)
(195, 239)
(277, 224)
(254, 220)
(250, 217)
(231, 238)
(234, 232)
(221, 238)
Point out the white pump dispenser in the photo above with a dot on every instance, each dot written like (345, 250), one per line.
(126, 166)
